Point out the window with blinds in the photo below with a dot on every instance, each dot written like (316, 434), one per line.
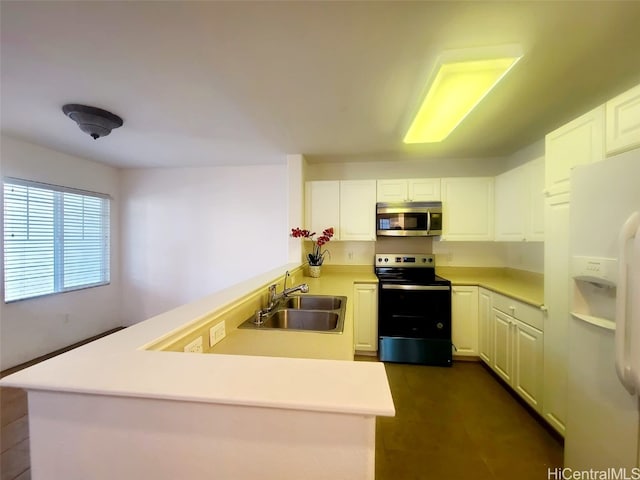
(56, 239)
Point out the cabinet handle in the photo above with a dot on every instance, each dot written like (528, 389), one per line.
(544, 308)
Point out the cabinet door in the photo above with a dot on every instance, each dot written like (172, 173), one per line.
(358, 210)
(424, 190)
(365, 317)
(467, 205)
(511, 205)
(502, 360)
(534, 172)
(485, 326)
(623, 122)
(576, 143)
(392, 190)
(322, 206)
(464, 320)
(528, 358)
(556, 322)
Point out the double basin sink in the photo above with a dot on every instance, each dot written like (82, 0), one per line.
(315, 313)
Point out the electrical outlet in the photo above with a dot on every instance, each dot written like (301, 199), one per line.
(217, 333)
(195, 346)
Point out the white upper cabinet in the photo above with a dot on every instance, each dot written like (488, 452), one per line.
(511, 204)
(409, 190)
(519, 203)
(424, 190)
(579, 142)
(322, 206)
(358, 210)
(467, 208)
(534, 171)
(623, 122)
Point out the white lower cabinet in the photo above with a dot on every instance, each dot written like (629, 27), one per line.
(528, 359)
(365, 317)
(485, 326)
(518, 356)
(503, 355)
(464, 320)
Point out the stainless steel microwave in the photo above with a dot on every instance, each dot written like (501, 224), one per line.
(413, 219)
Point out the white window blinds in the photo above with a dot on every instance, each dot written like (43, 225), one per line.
(56, 239)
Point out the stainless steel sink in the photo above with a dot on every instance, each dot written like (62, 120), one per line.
(311, 313)
(302, 320)
(316, 302)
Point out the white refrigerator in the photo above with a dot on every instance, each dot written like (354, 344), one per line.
(602, 425)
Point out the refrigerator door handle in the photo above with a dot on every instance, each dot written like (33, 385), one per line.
(622, 336)
(634, 291)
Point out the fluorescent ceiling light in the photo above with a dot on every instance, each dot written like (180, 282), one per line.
(460, 80)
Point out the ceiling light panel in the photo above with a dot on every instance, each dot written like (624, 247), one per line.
(461, 79)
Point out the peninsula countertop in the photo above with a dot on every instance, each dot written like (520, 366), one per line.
(118, 365)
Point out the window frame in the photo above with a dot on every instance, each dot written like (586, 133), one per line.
(58, 225)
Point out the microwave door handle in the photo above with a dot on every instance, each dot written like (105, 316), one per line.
(428, 220)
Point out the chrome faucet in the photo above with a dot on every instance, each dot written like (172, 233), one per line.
(276, 298)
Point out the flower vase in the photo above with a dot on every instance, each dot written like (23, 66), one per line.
(314, 271)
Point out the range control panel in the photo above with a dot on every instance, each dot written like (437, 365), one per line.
(405, 260)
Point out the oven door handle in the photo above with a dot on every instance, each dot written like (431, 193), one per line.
(414, 287)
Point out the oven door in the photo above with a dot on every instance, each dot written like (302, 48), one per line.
(414, 311)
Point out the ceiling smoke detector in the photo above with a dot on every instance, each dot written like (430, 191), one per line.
(94, 121)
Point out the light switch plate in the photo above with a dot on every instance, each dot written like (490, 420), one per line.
(217, 333)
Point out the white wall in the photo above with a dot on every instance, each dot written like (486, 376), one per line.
(188, 232)
(524, 155)
(296, 167)
(526, 256)
(34, 327)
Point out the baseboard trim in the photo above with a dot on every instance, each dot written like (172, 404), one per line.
(42, 358)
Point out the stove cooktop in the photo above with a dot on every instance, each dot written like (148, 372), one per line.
(418, 269)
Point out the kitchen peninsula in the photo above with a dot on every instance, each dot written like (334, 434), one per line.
(125, 407)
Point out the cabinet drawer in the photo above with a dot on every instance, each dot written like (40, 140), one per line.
(525, 313)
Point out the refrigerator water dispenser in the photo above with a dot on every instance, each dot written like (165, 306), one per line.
(594, 290)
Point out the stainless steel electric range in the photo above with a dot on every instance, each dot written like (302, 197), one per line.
(414, 310)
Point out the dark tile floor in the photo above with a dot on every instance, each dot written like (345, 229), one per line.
(460, 423)
(15, 462)
(451, 423)
(14, 431)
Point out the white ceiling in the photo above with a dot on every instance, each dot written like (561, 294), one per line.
(224, 83)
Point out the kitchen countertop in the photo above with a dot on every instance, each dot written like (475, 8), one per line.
(525, 286)
(120, 365)
(334, 280)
